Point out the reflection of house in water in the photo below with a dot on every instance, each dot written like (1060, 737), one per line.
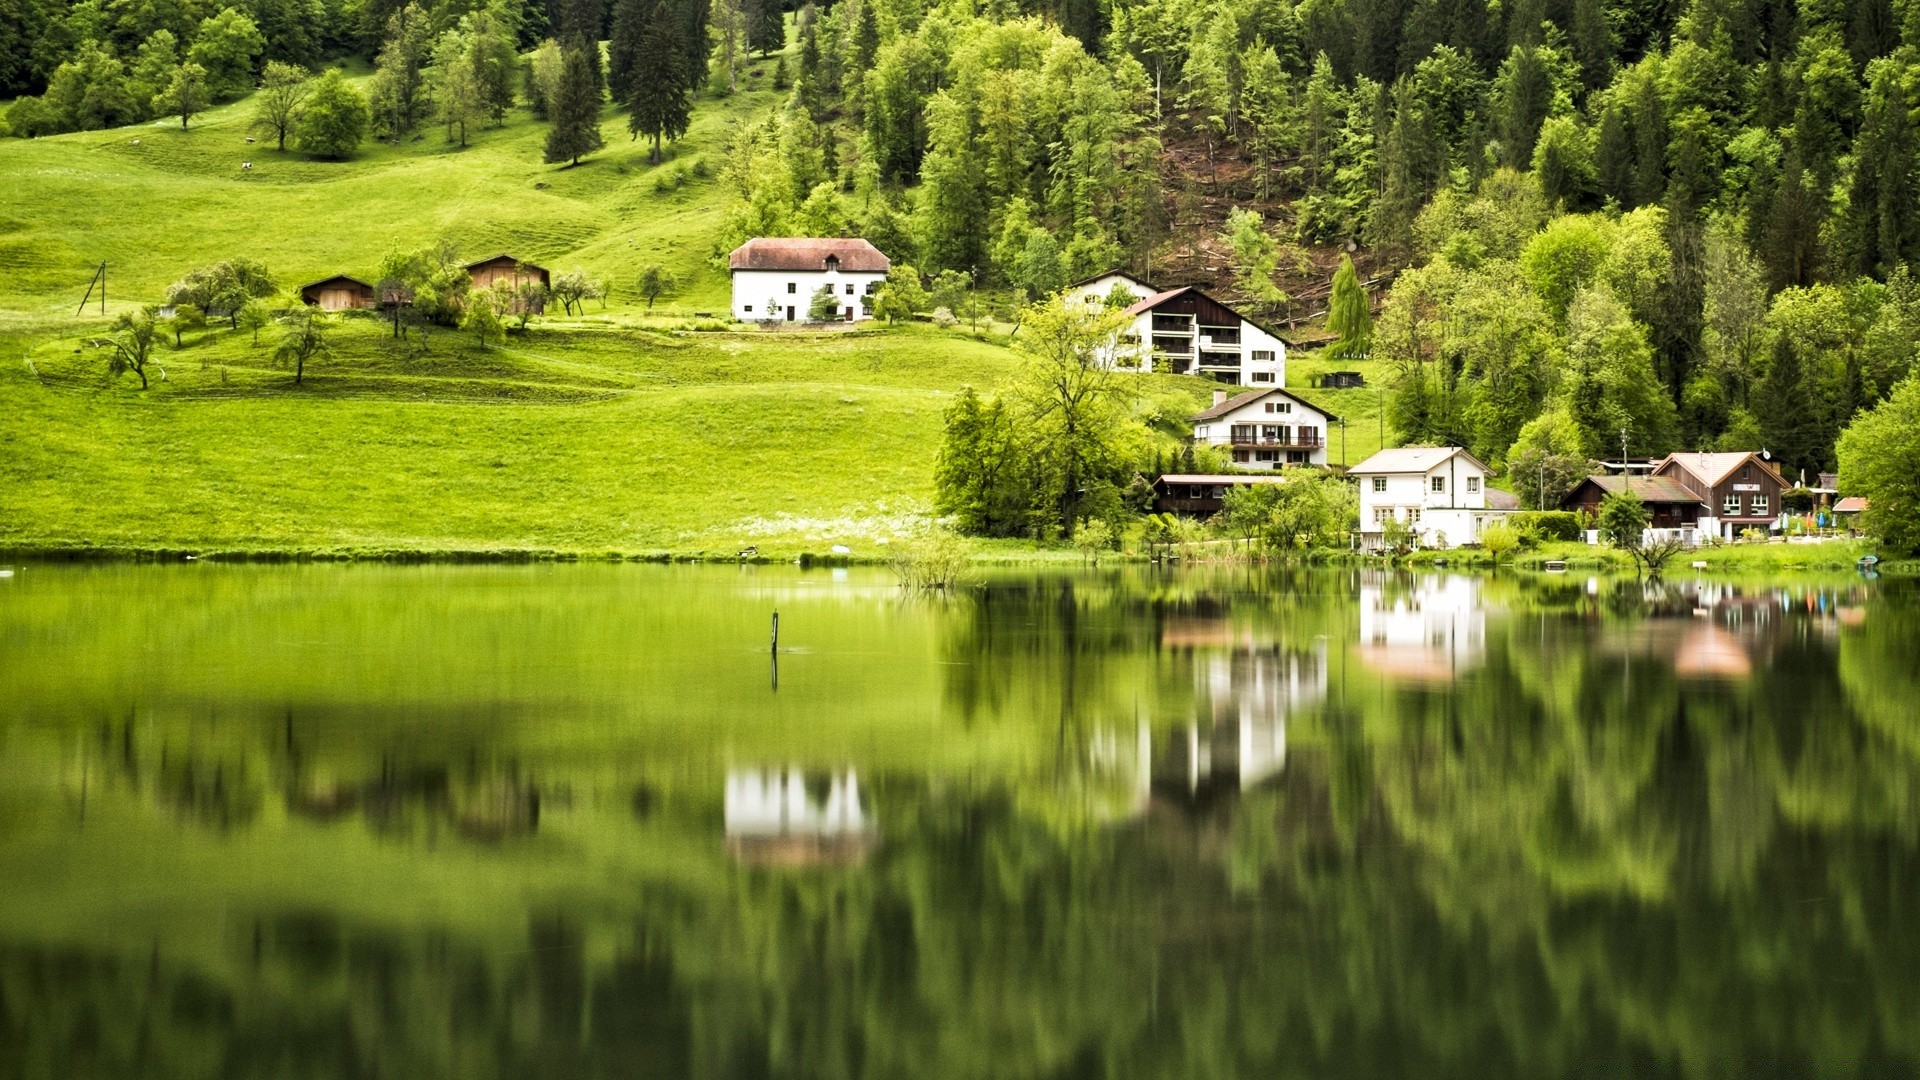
(1246, 690)
(783, 817)
(1430, 629)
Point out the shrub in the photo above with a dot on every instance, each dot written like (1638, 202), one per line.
(1796, 500)
(1549, 524)
(1499, 540)
(932, 561)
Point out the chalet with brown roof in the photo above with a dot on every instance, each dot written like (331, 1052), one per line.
(1736, 491)
(506, 269)
(1202, 494)
(1669, 505)
(337, 293)
(775, 278)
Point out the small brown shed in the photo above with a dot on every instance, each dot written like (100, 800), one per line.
(338, 293)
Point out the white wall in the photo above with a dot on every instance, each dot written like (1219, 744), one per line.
(1219, 431)
(1094, 293)
(755, 292)
(1250, 373)
(1447, 518)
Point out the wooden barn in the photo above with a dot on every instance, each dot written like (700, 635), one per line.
(337, 293)
(488, 272)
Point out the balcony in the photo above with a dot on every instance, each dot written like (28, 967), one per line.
(1172, 324)
(1309, 441)
(1172, 346)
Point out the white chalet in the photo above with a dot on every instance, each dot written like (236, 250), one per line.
(1265, 429)
(775, 278)
(1439, 491)
(1187, 332)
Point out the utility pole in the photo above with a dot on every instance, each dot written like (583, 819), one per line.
(1543, 481)
(1626, 473)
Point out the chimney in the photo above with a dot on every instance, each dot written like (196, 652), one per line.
(1219, 398)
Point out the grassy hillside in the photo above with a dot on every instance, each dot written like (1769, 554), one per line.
(615, 432)
(154, 201)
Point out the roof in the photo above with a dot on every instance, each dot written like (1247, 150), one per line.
(807, 253)
(1159, 298)
(1713, 468)
(503, 255)
(1252, 396)
(336, 277)
(1412, 459)
(1653, 489)
(1221, 478)
(1112, 273)
(1852, 504)
(1502, 500)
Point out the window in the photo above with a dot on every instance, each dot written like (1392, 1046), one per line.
(1263, 376)
(1306, 435)
(1759, 504)
(1296, 457)
(1265, 455)
(1263, 356)
(1241, 455)
(746, 309)
(833, 263)
(1473, 484)
(1382, 515)
(1413, 515)
(849, 288)
(1379, 483)
(1279, 406)
(1730, 506)
(791, 288)
(1440, 484)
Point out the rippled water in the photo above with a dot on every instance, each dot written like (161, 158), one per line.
(578, 821)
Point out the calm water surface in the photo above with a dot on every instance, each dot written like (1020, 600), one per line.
(578, 822)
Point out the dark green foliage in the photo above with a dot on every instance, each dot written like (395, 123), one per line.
(1550, 524)
(766, 26)
(333, 120)
(661, 96)
(575, 108)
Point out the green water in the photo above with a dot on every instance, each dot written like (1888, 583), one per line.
(578, 821)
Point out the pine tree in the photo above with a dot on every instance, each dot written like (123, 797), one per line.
(575, 108)
(661, 103)
(1592, 43)
(632, 21)
(579, 23)
(1880, 227)
(766, 26)
(1347, 314)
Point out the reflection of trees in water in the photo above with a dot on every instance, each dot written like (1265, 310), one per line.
(1579, 856)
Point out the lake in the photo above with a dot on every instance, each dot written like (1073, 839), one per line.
(581, 821)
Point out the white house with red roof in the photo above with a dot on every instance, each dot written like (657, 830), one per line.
(775, 277)
(1187, 332)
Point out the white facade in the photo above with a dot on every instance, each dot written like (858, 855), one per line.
(1433, 630)
(1440, 492)
(1219, 342)
(787, 295)
(1265, 429)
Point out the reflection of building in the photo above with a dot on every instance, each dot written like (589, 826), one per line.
(1430, 629)
(785, 817)
(1239, 737)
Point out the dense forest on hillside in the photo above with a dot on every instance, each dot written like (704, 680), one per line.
(1678, 224)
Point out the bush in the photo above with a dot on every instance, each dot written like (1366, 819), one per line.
(1499, 540)
(1549, 524)
(1796, 500)
(932, 561)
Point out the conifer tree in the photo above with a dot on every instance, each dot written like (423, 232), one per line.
(575, 108)
(1347, 314)
(632, 22)
(766, 26)
(1881, 224)
(661, 103)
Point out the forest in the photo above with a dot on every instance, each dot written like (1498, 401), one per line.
(1586, 223)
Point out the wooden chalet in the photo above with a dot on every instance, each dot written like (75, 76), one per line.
(506, 269)
(1203, 494)
(1736, 491)
(337, 293)
(1669, 505)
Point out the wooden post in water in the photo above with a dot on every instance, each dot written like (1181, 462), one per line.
(776, 633)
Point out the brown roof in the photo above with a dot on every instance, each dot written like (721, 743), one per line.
(503, 256)
(807, 253)
(1159, 298)
(1852, 504)
(1710, 469)
(331, 280)
(1502, 500)
(1223, 478)
(1252, 396)
(1653, 489)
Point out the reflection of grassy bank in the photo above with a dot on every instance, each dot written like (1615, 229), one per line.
(1735, 559)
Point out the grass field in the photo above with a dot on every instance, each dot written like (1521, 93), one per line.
(616, 432)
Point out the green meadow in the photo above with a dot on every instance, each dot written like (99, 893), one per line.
(619, 431)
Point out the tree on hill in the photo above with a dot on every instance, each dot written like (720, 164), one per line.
(333, 120)
(131, 343)
(399, 96)
(655, 282)
(575, 109)
(1880, 461)
(283, 89)
(1255, 256)
(457, 94)
(226, 47)
(303, 340)
(661, 104)
(185, 96)
(223, 288)
(543, 78)
(580, 23)
(729, 21)
(766, 26)
(1348, 315)
(900, 295)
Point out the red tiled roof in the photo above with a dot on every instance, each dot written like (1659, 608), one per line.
(807, 253)
(1852, 504)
